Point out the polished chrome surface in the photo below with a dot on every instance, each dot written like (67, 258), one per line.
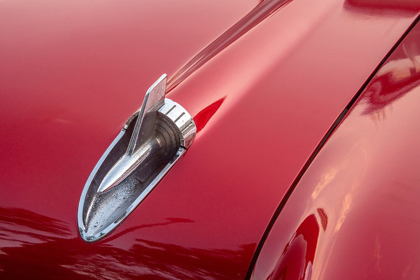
(142, 132)
(153, 100)
(150, 143)
(182, 120)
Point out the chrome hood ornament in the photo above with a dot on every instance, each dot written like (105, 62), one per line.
(150, 143)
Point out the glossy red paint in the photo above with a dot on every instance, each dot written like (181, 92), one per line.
(263, 96)
(361, 192)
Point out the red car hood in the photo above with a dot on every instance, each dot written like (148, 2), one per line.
(263, 95)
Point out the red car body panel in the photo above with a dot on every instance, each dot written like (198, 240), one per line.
(263, 95)
(354, 214)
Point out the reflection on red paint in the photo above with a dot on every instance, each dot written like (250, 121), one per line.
(386, 4)
(368, 171)
(31, 237)
(202, 118)
(323, 217)
(75, 69)
(263, 10)
(397, 77)
(298, 256)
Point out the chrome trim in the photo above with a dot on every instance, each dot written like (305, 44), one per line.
(182, 120)
(153, 100)
(161, 134)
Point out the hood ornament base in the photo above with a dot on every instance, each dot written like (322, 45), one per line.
(151, 142)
